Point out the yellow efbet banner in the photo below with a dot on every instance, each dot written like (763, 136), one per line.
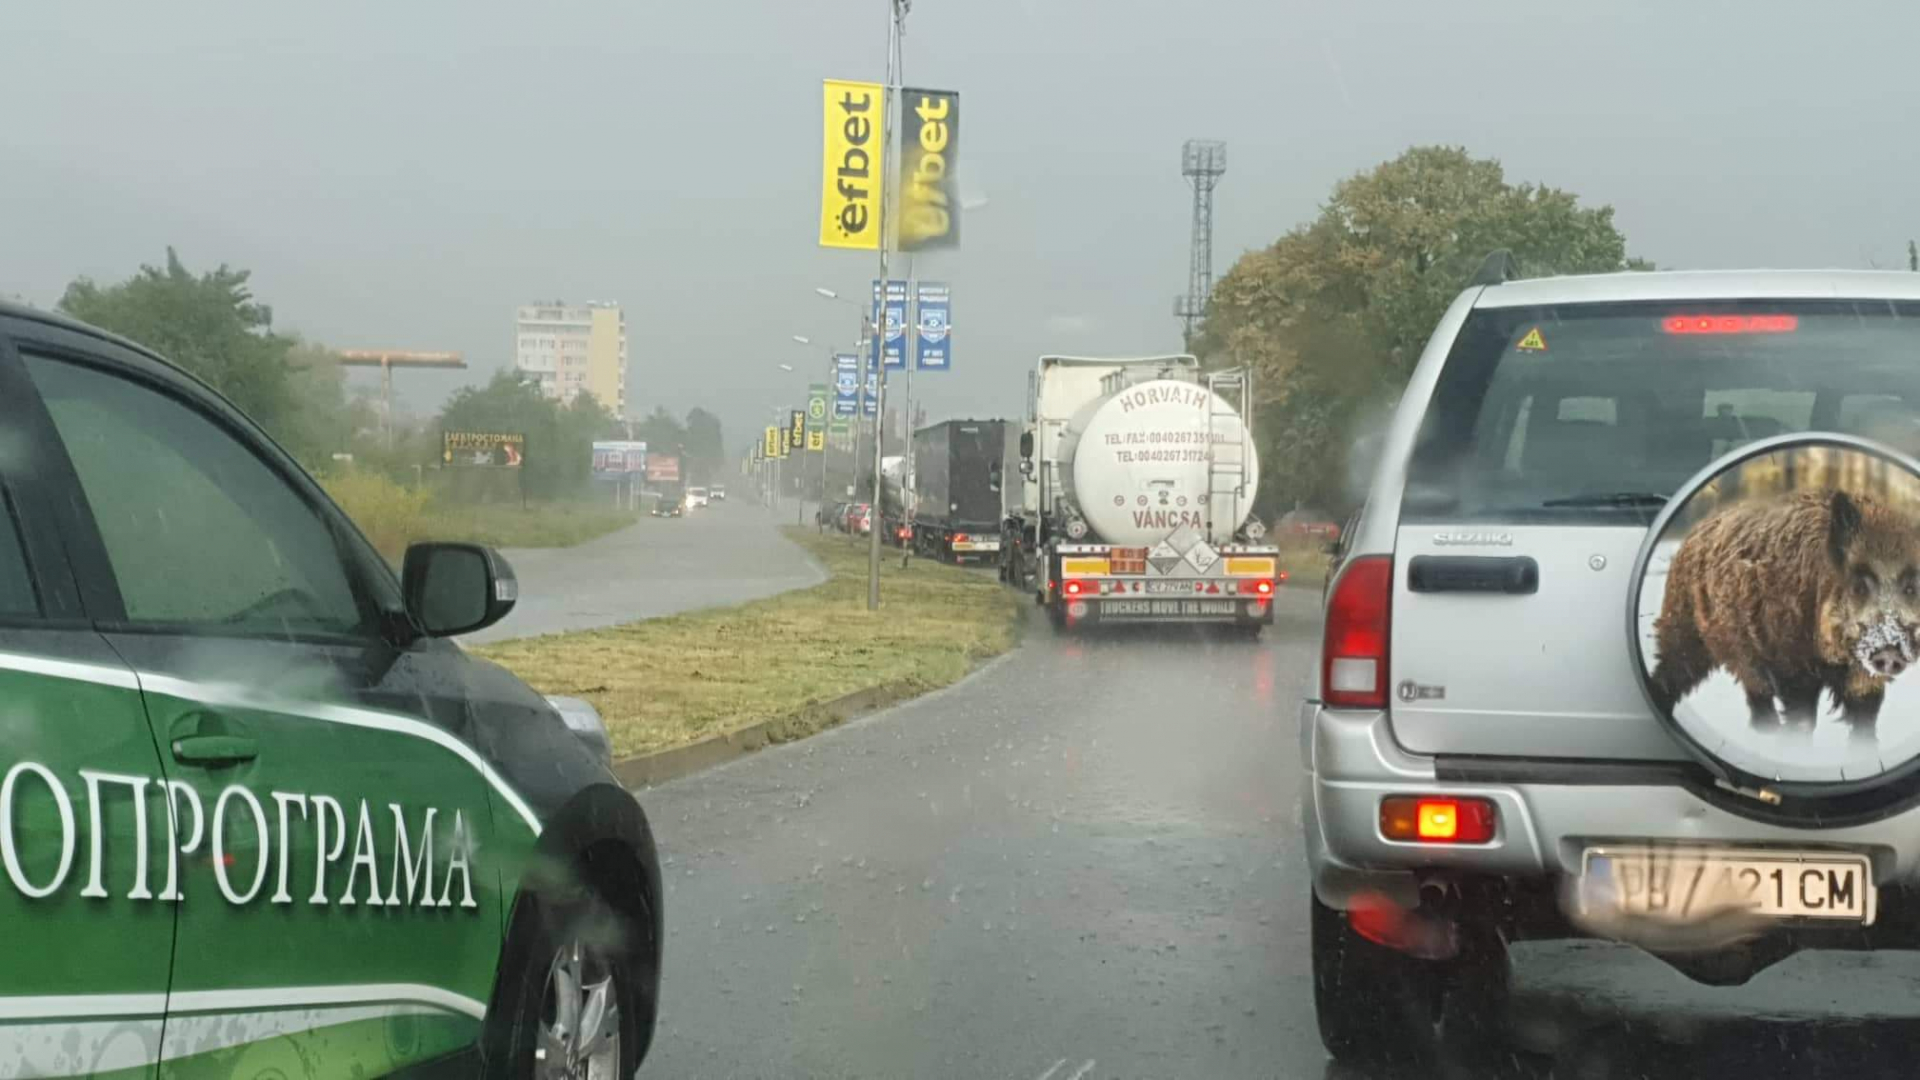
(772, 446)
(816, 439)
(852, 165)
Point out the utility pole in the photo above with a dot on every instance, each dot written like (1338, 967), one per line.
(896, 24)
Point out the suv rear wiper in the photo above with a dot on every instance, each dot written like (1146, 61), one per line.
(1612, 498)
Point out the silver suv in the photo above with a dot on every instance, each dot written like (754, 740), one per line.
(1481, 741)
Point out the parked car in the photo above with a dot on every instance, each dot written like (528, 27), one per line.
(859, 519)
(193, 624)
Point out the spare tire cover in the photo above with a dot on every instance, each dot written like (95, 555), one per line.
(1774, 617)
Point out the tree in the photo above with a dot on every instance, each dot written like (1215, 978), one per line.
(210, 325)
(559, 438)
(706, 450)
(662, 433)
(1331, 318)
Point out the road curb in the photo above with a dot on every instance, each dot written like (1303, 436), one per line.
(646, 770)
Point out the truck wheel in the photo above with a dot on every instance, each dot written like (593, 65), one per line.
(1057, 617)
(1378, 1006)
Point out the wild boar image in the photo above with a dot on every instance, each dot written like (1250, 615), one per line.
(1811, 591)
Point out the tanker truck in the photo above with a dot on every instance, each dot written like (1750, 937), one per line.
(1137, 506)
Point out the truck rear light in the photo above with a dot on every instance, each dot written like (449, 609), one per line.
(1256, 588)
(1353, 654)
(1438, 819)
(959, 538)
(1074, 588)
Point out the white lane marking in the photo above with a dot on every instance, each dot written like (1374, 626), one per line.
(1054, 1068)
(239, 697)
(1082, 1070)
(80, 671)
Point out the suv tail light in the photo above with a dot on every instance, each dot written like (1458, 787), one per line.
(1353, 655)
(1437, 819)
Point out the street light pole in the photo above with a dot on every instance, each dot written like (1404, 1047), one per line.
(896, 20)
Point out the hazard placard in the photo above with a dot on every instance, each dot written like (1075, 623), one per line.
(1533, 342)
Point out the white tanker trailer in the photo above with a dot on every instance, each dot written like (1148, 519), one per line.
(1138, 501)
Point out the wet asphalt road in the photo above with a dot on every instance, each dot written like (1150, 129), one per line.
(722, 554)
(1084, 862)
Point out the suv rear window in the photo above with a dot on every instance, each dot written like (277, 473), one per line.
(1592, 411)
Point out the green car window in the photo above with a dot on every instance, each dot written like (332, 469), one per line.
(199, 530)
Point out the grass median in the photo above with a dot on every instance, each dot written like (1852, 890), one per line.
(393, 516)
(673, 681)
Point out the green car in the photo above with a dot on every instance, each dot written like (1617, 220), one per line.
(259, 817)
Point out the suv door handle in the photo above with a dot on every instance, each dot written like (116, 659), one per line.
(214, 749)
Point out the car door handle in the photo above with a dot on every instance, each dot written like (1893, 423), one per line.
(214, 749)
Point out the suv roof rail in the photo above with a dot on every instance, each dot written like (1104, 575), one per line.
(1498, 269)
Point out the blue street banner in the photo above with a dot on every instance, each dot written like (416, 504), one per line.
(933, 336)
(896, 312)
(871, 406)
(846, 385)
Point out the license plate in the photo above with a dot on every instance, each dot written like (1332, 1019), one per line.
(1169, 586)
(1166, 608)
(1684, 883)
(977, 545)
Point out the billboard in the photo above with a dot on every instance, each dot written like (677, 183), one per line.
(797, 429)
(929, 152)
(816, 439)
(770, 442)
(933, 334)
(895, 306)
(852, 165)
(487, 449)
(661, 467)
(617, 458)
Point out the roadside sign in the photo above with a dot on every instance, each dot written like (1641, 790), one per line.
(894, 307)
(612, 457)
(494, 449)
(816, 405)
(772, 442)
(662, 467)
(816, 440)
(797, 429)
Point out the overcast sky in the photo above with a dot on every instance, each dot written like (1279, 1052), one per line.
(405, 173)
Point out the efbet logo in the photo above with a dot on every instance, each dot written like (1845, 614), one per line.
(391, 863)
(929, 146)
(851, 186)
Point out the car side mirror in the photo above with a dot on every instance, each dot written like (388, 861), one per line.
(454, 589)
(1026, 446)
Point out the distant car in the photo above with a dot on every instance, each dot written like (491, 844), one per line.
(669, 507)
(860, 518)
(717, 493)
(696, 498)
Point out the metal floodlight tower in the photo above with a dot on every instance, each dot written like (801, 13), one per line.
(1202, 162)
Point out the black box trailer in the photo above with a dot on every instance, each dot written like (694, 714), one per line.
(959, 472)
